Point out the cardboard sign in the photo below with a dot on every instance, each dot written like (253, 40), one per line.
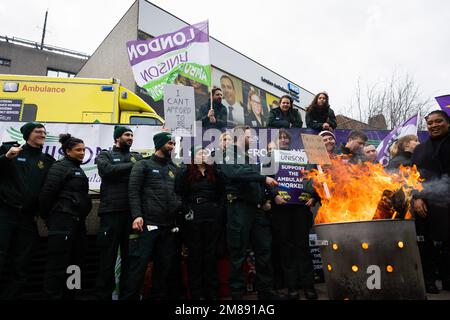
(315, 149)
(179, 110)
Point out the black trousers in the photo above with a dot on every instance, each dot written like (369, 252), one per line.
(66, 247)
(434, 255)
(161, 246)
(435, 249)
(18, 233)
(291, 224)
(278, 277)
(201, 238)
(113, 235)
(248, 228)
(444, 263)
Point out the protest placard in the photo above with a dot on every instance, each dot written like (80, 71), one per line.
(179, 110)
(315, 149)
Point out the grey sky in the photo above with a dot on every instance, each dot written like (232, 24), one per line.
(320, 45)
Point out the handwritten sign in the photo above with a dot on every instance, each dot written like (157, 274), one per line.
(179, 110)
(315, 149)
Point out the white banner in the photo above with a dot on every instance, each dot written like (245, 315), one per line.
(291, 156)
(96, 137)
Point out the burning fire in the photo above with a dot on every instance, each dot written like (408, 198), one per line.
(364, 192)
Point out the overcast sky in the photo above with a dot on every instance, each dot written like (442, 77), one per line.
(320, 45)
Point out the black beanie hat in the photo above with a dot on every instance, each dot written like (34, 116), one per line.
(160, 139)
(28, 127)
(119, 131)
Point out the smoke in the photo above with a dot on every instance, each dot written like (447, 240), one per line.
(437, 191)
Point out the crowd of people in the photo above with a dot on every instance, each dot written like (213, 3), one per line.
(319, 115)
(149, 206)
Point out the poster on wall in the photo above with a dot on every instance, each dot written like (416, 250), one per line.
(255, 105)
(201, 93)
(232, 96)
(272, 101)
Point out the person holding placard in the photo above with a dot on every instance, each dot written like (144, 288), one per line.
(214, 116)
(291, 224)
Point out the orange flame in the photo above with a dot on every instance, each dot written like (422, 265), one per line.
(356, 190)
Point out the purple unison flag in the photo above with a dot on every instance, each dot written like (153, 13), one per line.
(444, 103)
(407, 127)
(161, 60)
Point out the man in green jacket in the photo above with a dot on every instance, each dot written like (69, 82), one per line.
(114, 167)
(247, 223)
(23, 170)
(154, 208)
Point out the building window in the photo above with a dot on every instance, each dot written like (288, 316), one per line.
(60, 73)
(145, 120)
(5, 62)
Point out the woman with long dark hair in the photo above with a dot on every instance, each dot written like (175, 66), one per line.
(65, 203)
(319, 115)
(201, 190)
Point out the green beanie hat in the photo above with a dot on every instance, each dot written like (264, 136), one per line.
(120, 130)
(160, 139)
(28, 127)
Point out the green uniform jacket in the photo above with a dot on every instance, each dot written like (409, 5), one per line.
(114, 167)
(244, 181)
(66, 190)
(22, 177)
(151, 191)
(279, 119)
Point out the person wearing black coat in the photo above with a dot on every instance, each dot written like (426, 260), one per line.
(215, 117)
(291, 224)
(248, 225)
(351, 151)
(432, 204)
(319, 115)
(402, 152)
(202, 194)
(114, 167)
(22, 173)
(65, 203)
(285, 116)
(154, 209)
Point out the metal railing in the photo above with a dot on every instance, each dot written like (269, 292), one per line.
(37, 45)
